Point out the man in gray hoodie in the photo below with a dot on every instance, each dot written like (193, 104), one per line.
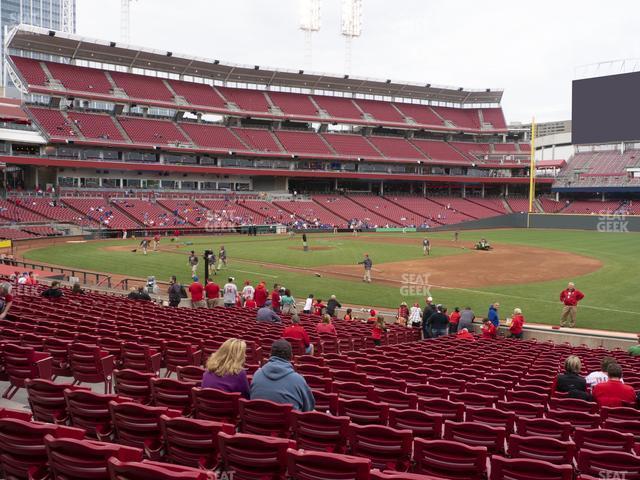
(278, 382)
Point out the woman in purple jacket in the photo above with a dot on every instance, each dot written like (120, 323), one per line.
(225, 368)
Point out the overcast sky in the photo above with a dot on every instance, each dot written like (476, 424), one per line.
(531, 50)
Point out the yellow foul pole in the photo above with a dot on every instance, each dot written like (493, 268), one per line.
(532, 167)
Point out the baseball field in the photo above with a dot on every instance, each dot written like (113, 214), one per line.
(526, 268)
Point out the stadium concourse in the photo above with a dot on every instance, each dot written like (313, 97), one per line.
(126, 388)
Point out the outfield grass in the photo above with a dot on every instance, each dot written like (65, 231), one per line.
(611, 300)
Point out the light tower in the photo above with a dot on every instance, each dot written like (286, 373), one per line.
(125, 20)
(309, 23)
(351, 27)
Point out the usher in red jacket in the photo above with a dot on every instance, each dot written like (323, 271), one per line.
(571, 297)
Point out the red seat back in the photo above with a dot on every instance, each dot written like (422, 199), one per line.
(328, 466)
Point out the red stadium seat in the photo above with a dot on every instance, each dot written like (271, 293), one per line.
(22, 446)
(449, 410)
(527, 469)
(170, 393)
(133, 384)
(327, 466)
(608, 464)
(353, 390)
(386, 447)
(522, 409)
(70, 458)
(319, 431)
(422, 424)
(476, 435)
(544, 427)
(90, 411)
(326, 402)
(396, 399)
(90, 364)
(46, 400)
(192, 442)
(364, 412)
(252, 457)
(453, 460)
(573, 404)
(215, 405)
(262, 417)
(22, 363)
(493, 417)
(191, 373)
(147, 470)
(135, 356)
(575, 418)
(603, 439)
(139, 426)
(471, 399)
(542, 448)
(376, 474)
(180, 354)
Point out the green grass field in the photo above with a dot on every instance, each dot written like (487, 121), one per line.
(611, 299)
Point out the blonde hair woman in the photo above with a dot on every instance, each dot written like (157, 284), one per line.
(570, 381)
(225, 368)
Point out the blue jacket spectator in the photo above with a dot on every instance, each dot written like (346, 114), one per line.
(493, 314)
(266, 314)
(277, 381)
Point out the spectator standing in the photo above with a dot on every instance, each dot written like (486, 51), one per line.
(250, 303)
(429, 309)
(197, 294)
(287, 302)
(53, 291)
(517, 323)
(348, 316)
(439, 322)
(308, 304)
(403, 314)
(318, 307)
(156, 242)
(261, 295)
(634, 350)
(222, 257)
(332, 304)
(378, 330)
(325, 327)
(368, 265)
(212, 290)
(247, 291)
(614, 393)
(297, 332)
(266, 314)
(225, 368)
(275, 298)
(415, 316)
(278, 382)
(454, 318)
(493, 315)
(31, 279)
(570, 298)
(193, 263)
(570, 381)
(175, 292)
(230, 292)
(489, 330)
(466, 319)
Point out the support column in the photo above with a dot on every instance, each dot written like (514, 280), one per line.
(482, 191)
(381, 188)
(557, 196)
(464, 190)
(424, 189)
(36, 178)
(335, 184)
(506, 189)
(603, 197)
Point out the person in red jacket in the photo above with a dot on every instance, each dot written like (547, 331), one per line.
(260, 295)
(250, 303)
(318, 307)
(326, 327)
(454, 318)
(489, 330)
(517, 322)
(213, 293)
(614, 393)
(570, 298)
(465, 335)
(275, 298)
(197, 294)
(297, 332)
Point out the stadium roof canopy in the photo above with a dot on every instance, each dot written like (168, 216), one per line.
(76, 47)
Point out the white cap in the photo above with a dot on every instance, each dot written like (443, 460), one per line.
(429, 299)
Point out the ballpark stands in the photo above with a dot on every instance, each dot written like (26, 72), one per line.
(138, 86)
(96, 126)
(351, 145)
(198, 93)
(302, 143)
(260, 140)
(153, 132)
(100, 210)
(396, 147)
(80, 79)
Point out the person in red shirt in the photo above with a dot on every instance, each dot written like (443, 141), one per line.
(454, 318)
(260, 295)
(250, 303)
(31, 279)
(349, 316)
(403, 314)
(275, 298)
(197, 294)
(614, 393)
(318, 307)
(465, 335)
(372, 316)
(297, 332)
(326, 327)
(570, 298)
(378, 330)
(517, 322)
(213, 293)
(489, 330)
